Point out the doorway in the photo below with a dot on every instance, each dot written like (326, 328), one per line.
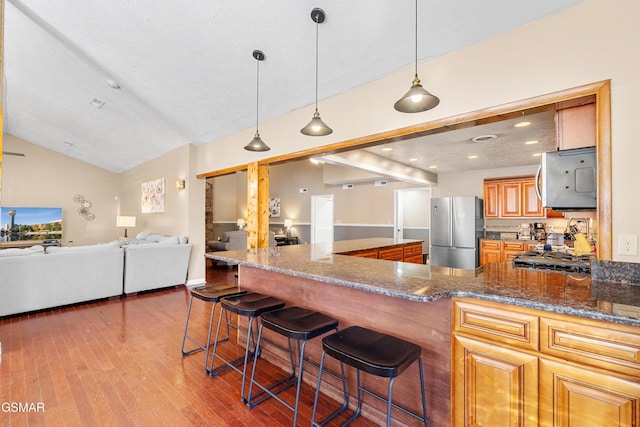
(322, 219)
(411, 216)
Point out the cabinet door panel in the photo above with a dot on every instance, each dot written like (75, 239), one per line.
(491, 196)
(572, 396)
(576, 127)
(391, 254)
(510, 200)
(531, 205)
(498, 386)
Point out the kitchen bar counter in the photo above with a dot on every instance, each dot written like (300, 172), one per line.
(572, 294)
(414, 302)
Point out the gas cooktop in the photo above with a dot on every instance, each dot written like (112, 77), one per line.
(552, 260)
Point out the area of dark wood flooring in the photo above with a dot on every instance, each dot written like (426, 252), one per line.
(118, 362)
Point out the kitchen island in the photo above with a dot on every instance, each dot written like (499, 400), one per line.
(453, 315)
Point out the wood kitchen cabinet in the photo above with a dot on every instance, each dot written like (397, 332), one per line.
(576, 127)
(510, 396)
(491, 197)
(531, 205)
(511, 249)
(492, 251)
(515, 366)
(512, 198)
(404, 252)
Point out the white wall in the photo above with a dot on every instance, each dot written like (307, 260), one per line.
(44, 178)
(593, 41)
(184, 209)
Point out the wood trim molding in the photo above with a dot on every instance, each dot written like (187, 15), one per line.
(221, 172)
(551, 101)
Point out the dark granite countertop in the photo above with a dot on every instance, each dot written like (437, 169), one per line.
(572, 294)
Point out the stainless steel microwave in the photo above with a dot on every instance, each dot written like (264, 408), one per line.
(567, 179)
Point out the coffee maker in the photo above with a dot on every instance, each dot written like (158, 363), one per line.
(539, 231)
(524, 231)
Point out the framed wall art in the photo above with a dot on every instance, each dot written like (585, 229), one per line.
(274, 207)
(153, 196)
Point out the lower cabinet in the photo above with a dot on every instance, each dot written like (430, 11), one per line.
(576, 396)
(407, 252)
(492, 251)
(520, 367)
(497, 386)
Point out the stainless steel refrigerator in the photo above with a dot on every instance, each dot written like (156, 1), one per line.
(457, 224)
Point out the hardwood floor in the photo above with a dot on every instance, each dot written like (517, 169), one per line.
(118, 363)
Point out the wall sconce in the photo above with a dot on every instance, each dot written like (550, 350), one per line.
(125, 222)
(240, 223)
(181, 184)
(288, 223)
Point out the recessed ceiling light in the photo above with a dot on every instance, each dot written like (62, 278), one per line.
(484, 138)
(537, 154)
(413, 159)
(98, 103)
(522, 124)
(433, 167)
(473, 156)
(315, 161)
(535, 141)
(387, 149)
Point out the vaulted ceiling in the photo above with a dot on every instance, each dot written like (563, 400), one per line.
(185, 70)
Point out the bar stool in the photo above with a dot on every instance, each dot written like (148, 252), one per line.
(295, 323)
(376, 353)
(250, 305)
(209, 293)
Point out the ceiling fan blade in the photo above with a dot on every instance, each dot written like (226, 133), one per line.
(11, 153)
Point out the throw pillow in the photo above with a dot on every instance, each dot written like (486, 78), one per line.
(168, 240)
(33, 250)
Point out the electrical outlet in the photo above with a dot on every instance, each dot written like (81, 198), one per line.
(628, 244)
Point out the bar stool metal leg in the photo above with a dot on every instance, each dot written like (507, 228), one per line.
(300, 325)
(207, 293)
(345, 394)
(250, 305)
(377, 354)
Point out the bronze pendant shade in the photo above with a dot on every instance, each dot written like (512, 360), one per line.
(256, 143)
(417, 99)
(316, 127)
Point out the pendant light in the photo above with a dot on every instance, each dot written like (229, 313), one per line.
(316, 126)
(257, 144)
(417, 99)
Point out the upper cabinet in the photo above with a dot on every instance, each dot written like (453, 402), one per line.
(512, 198)
(576, 127)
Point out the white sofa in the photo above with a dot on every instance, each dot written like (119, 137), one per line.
(154, 261)
(31, 279)
(34, 278)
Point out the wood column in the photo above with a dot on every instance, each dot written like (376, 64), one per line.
(257, 206)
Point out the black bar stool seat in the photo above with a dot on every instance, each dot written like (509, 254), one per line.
(373, 352)
(209, 293)
(298, 323)
(250, 305)
(295, 323)
(377, 354)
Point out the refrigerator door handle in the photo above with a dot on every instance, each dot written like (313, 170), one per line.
(452, 235)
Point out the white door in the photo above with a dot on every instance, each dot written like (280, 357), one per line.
(411, 210)
(322, 219)
(398, 214)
